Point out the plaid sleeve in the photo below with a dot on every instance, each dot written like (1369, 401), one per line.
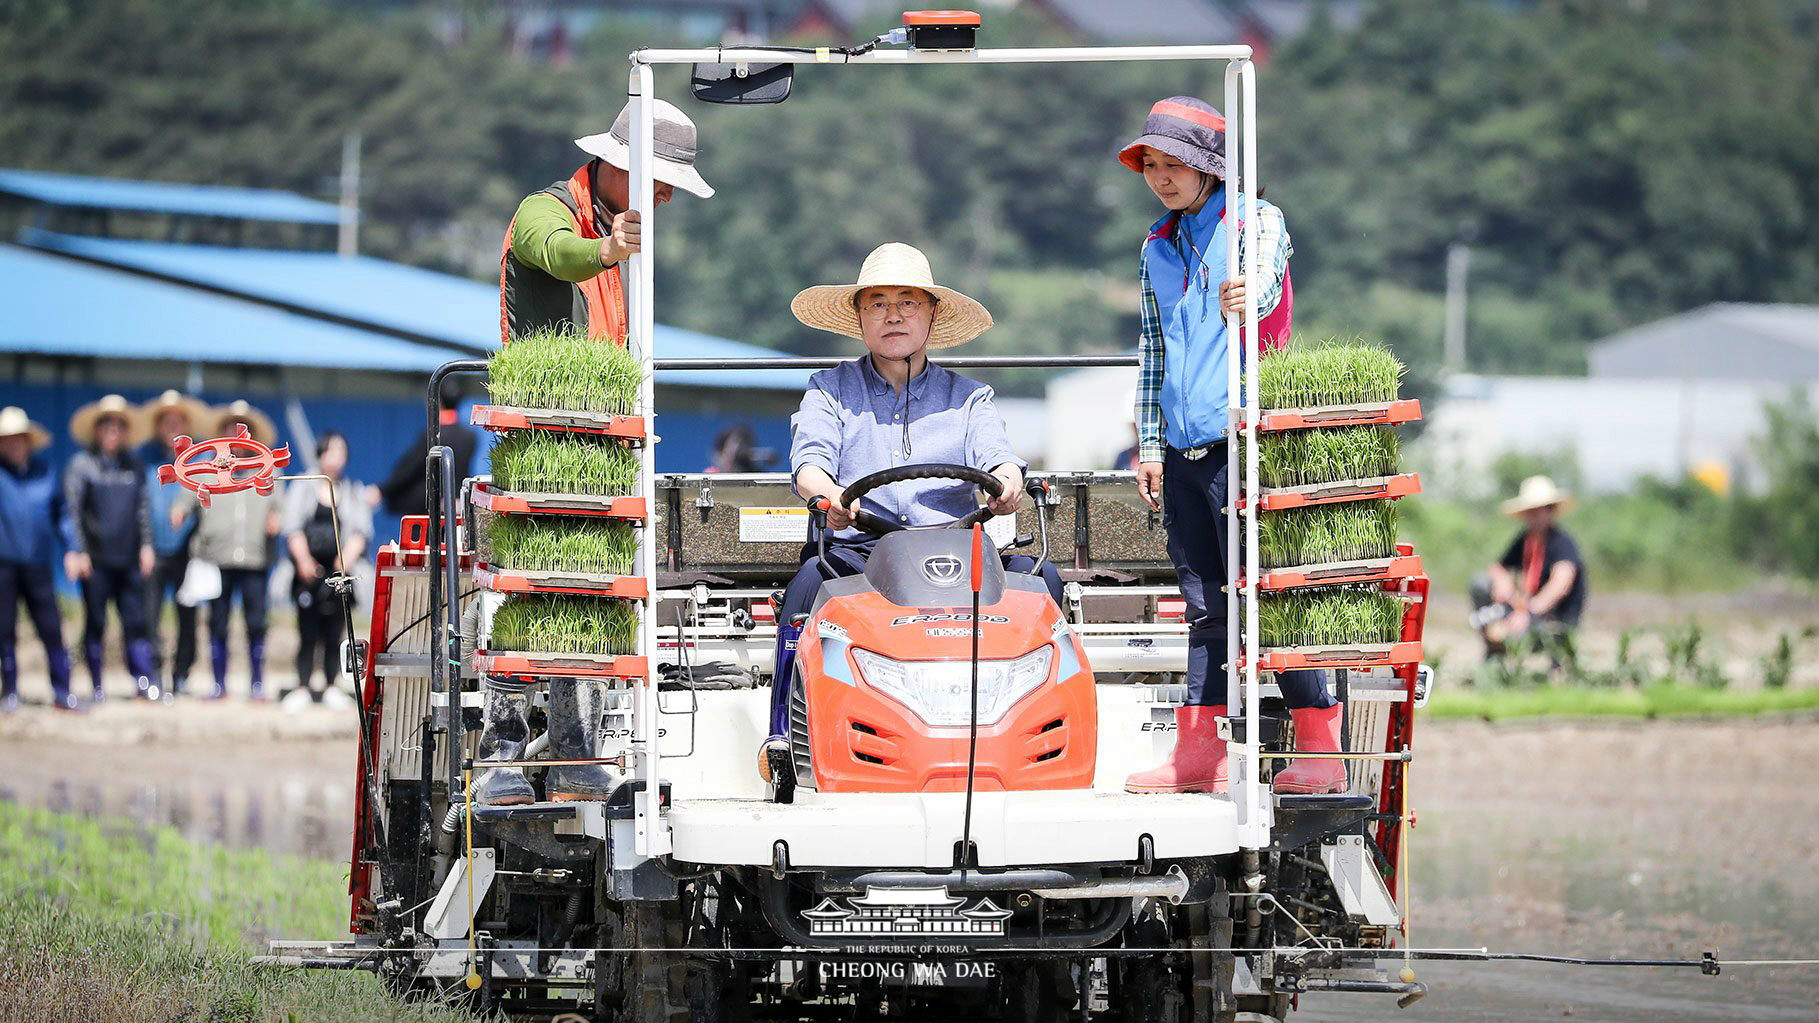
(1148, 411)
(1273, 249)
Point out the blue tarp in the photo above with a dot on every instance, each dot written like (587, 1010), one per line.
(165, 197)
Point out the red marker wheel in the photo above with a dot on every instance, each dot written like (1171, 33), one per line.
(225, 465)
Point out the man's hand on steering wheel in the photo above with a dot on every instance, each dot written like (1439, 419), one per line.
(1008, 502)
(993, 483)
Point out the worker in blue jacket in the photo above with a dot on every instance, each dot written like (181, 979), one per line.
(31, 502)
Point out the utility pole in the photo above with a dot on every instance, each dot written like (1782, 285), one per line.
(1458, 264)
(348, 240)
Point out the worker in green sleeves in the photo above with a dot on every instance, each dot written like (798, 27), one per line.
(561, 258)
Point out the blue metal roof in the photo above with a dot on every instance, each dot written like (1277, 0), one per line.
(165, 197)
(59, 306)
(391, 296)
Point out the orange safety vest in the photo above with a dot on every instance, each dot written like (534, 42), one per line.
(603, 294)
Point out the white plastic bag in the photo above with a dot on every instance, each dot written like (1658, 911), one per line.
(201, 581)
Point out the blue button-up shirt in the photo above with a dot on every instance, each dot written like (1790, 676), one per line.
(852, 424)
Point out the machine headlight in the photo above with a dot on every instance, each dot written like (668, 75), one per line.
(940, 692)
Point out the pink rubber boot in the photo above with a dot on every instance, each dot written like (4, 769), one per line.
(1197, 763)
(1316, 731)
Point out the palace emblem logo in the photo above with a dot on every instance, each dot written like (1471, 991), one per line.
(905, 912)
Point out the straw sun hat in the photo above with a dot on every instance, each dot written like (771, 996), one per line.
(195, 413)
(14, 421)
(958, 319)
(257, 423)
(82, 424)
(1537, 492)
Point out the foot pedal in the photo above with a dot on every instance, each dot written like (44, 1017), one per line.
(783, 773)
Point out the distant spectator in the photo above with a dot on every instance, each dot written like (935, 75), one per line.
(107, 525)
(235, 535)
(736, 450)
(171, 415)
(31, 504)
(1538, 587)
(317, 552)
(405, 491)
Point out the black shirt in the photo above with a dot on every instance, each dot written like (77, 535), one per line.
(405, 490)
(1556, 547)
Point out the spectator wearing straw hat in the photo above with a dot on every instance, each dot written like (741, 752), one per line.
(561, 256)
(1538, 587)
(31, 504)
(107, 525)
(236, 535)
(171, 415)
(1182, 413)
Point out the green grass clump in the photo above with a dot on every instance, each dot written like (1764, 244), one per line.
(531, 544)
(1353, 531)
(1330, 372)
(565, 625)
(1329, 617)
(1300, 457)
(539, 461)
(554, 369)
(1649, 701)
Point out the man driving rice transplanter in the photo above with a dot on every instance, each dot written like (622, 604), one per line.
(891, 407)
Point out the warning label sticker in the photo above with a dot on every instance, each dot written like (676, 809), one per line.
(773, 525)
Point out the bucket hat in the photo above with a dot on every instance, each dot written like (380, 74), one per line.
(82, 424)
(1185, 128)
(958, 319)
(1537, 492)
(242, 411)
(14, 421)
(673, 144)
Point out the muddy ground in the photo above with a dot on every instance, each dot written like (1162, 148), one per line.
(1647, 839)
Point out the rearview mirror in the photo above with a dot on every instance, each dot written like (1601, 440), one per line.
(742, 83)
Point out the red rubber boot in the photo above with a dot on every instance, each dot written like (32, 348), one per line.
(1197, 763)
(1316, 731)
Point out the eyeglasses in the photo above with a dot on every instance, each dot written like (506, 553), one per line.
(881, 308)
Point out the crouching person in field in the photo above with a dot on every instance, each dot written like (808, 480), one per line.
(1537, 589)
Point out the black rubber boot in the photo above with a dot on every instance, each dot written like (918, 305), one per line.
(575, 708)
(503, 738)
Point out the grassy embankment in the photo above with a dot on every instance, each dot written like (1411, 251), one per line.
(112, 921)
(1650, 701)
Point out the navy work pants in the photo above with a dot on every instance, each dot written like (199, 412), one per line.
(33, 586)
(167, 577)
(1195, 494)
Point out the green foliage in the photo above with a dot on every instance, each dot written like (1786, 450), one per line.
(554, 544)
(565, 625)
(1353, 531)
(1322, 617)
(1650, 701)
(563, 370)
(539, 461)
(1297, 457)
(1780, 528)
(108, 920)
(1330, 372)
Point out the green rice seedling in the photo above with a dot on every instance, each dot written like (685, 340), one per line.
(1328, 617)
(1330, 372)
(1353, 531)
(536, 544)
(556, 369)
(539, 461)
(565, 625)
(1300, 457)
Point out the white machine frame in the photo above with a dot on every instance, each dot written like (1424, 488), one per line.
(1252, 799)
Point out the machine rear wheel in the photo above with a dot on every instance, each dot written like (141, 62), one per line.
(637, 979)
(1037, 993)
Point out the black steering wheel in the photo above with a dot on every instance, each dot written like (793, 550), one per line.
(878, 525)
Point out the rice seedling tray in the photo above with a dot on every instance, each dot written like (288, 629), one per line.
(1346, 655)
(533, 665)
(1373, 413)
(1338, 492)
(507, 502)
(596, 424)
(1334, 573)
(583, 584)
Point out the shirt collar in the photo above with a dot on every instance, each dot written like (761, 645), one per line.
(918, 385)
